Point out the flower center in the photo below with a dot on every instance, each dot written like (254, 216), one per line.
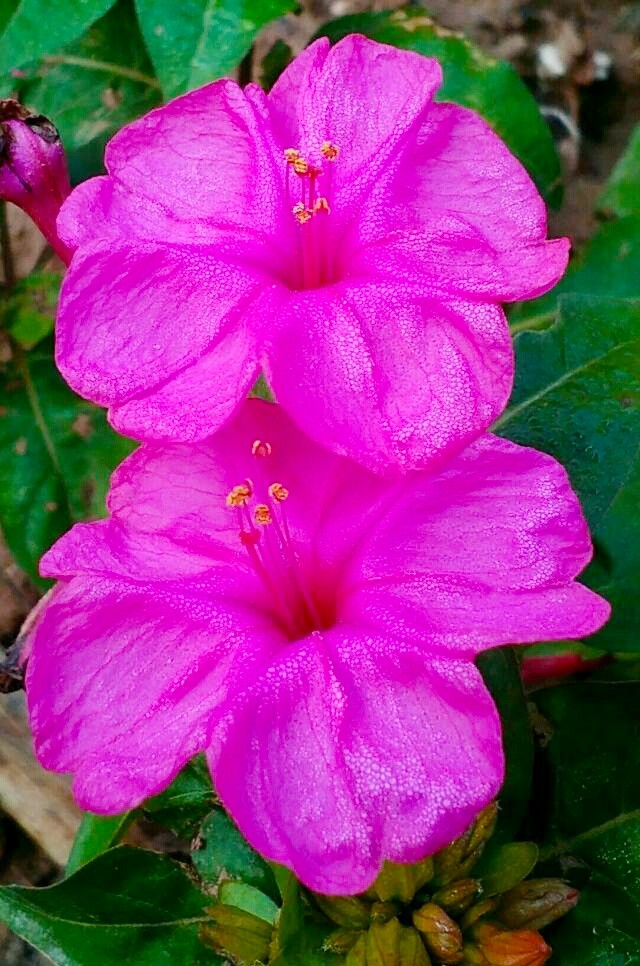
(266, 536)
(309, 189)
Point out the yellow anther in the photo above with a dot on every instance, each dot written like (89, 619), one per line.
(291, 155)
(329, 150)
(278, 492)
(262, 515)
(321, 204)
(301, 166)
(301, 213)
(239, 495)
(261, 448)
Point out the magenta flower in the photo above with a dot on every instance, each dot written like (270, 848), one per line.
(312, 628)
(344, 233)
(33, 169)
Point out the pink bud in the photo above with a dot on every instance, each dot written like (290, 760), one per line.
(547, 664)
(33, 169)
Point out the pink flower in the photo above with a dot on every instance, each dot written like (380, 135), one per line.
(344, 233)
(312, 627)
(33, 169)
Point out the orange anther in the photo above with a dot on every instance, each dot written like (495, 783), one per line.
(262, 515)
(301, 166)
(239, 495)
(329, 150)
(301, 213)
(261, 448)
(278, 492)
(291, 155)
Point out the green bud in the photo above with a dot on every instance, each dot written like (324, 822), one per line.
(344, 910)
(236, 933)
(384, 911)
(442, 936)
(457, 897)
(357, 955)
(471, 956)
(341, 941)
(536, 903)
(401, 882)
(477, 912)
(391, 944)
(457, 860)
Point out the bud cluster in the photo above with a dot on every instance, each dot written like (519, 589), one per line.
(436, 913)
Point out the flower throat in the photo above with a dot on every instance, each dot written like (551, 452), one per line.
(311, 185)
(266, 536)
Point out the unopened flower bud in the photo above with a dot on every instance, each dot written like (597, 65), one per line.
(545, 664)
(401, 882)
(237, 933)
(347, 911)
(384, 911)
(457, 860)
(523, 947)
(478, 911)
(341, 941)
(442, 936)
(457, 897)
(536, 903)
(33, 169)
(392, 943)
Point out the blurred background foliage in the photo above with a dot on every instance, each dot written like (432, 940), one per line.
(560, 82)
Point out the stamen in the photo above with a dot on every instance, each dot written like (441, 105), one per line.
(329, 150)
(291, 155)
(278, 492)
(262, 515)
(301, 166)
(260, 448)
(301, 213)
(240, 495)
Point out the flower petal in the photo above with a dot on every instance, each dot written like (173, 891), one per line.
(125, 684)
(364, 97)
(117, 331)
(482, 553)
(392, 381)
(192, 165)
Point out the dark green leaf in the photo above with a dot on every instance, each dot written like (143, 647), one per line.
(621, 195)
(247, 897)
(184, 804)
(491, 87)
(57, 455)
(196, 41)
(96, 834)
(224, 854)
(504, 867)
(577, 396)
(30, 309)
(93, 87)
(127, 906)
(608, 266)
(36, 28)
(500, 671)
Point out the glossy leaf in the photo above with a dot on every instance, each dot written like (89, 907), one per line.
(491, 87)
(197, 41)
(504, 867)
(223, 853)
(183, 805)
(250, 899)
(128, 906)
(34, 30)
(58, 453)
(97, 834)
(92, 87)
(577, 396)
(621, 195)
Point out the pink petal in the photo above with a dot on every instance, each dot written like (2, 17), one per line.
(131, 318)
(349, 751)
(201, 163)
(390, 380)
(482, 553)
(364, 97)
(125, 684)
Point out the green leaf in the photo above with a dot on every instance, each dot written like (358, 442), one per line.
(127, 906)
(621, 195)
(577, 396)
(223, 853)
(183, 805)
(58, 452)
(593, 761)
(96, 834)
(609, 265)
(30, 311)
(491, 87)
(250, 899)
(196, 41)
(501, 674)
(505, 867)
(36, 28)
(93, 87)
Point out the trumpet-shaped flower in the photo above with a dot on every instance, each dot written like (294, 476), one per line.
(309, 625)
(344, 233)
